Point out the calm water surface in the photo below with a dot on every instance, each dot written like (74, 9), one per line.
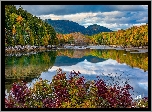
(114, 66)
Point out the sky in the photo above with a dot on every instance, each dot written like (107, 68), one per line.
(114, 17)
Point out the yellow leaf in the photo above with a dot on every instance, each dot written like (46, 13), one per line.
(19, 18)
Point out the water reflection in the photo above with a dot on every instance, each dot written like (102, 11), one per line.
(109, 70)
(27, 67)
(112, 65)
(121, 56)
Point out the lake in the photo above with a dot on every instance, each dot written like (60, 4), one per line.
(114, 66)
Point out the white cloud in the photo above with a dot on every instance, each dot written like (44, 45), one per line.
(113, 14)
(78, 17)
(96, 68)
(139, 24)
(74, 17)
(145, 6)
(144, 19)
(91, 70)
(113, 20)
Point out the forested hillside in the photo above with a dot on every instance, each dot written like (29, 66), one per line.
(76, 38)
(134, 36)
(66, 27)
(22, 28)
(95, 29)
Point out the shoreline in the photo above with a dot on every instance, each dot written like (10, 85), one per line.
(138, 49)
(19, 50)
(28, 49)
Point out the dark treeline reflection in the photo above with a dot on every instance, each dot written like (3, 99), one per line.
(27, 67)
(139, 60)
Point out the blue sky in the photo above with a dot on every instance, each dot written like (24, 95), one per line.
(114, 17)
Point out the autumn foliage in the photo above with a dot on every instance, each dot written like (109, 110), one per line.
(134, 36)
(22, 28)
(72, 92)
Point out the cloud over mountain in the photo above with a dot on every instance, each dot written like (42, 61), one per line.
(111, 16)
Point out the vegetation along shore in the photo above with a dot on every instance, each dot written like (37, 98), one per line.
(26, 34)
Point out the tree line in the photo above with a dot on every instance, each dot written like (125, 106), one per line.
(134, 36)
(22, 28)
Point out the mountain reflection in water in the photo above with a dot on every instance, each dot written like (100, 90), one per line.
(65, 60)
(109, 70)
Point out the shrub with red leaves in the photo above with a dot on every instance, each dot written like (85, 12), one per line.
(72, 93)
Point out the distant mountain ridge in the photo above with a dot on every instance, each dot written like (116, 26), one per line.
(95, 29)
(66, 27)
(64, 60)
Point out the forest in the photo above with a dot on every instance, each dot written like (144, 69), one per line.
(134, 36)
(22, 28)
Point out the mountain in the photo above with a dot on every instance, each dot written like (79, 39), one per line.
(95, 29)
(66, 27)
(64, 60)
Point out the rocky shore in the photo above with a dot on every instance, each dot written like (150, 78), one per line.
(139, 49)
(28, 49)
